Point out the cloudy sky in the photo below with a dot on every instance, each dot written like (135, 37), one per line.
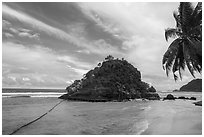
(49, 45)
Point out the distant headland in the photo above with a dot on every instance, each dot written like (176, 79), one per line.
(193, 86)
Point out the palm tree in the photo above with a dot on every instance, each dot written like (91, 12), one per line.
(186, 49)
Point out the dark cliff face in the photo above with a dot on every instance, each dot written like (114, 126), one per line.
(194, 85)
(112, 79)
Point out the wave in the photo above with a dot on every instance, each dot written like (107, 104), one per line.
(146, 108)
(139, 127)
(31, 94)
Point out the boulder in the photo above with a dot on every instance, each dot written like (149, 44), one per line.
(182, 97)
(169, 97)
(151, 96)
(199, 103)
(192, 98)
(64, 96)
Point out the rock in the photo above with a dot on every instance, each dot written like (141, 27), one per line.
(113, 79)
(199, 103)
(169, 97)
(64, 96)
(151, 96)
(182, 97)
(192, 98)
(194, 85)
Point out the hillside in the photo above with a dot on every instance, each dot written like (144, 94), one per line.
(113, 79)
(194, 85)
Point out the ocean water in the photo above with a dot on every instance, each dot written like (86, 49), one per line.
(32, 92)
(82, 118)
(198, 95)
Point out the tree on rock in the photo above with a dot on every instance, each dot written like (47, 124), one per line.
(109, 57)
(113, 79)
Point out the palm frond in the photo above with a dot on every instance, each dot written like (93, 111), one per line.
(196, 33)
(179, 63)
(175, 77)
(171, 48)
(175, 68)
(170, 55)
(196, 46)
(195, 57)
(170, 32)
(186, 50)
(188, 64)
(177, 18)
(198, 19)
(169, 62)
(197, 9)
(185, 12)
(192, 58)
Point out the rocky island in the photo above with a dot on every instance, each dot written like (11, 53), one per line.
(111, 80)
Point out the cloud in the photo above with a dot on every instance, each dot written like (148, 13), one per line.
(77, 70)
(76, 29)
(39, 25)
(5, 24)
(26, 79)
(55, 32)
(13, 78)
(138, 25)
(13, 30)
(74, 61)
(133, 42)
(140, 30)
(102, 47)
(83, 51)
(123, 19)
(8, 35)
(101, 18)
(29, 35)
(39, 64)
(24, 30)
(9, 31)
(134, 31)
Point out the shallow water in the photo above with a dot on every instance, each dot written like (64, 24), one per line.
(70, 118)
(73, 117)
(198, 95)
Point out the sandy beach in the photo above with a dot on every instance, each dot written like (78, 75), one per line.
(179, 117)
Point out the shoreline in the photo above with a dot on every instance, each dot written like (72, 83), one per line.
(145, 117)
(174, 118)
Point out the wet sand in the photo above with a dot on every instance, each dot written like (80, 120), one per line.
(179, 117)
(78, 118)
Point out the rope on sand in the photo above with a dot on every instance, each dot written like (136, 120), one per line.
(36, 118)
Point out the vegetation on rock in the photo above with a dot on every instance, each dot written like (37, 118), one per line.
(113, 79)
